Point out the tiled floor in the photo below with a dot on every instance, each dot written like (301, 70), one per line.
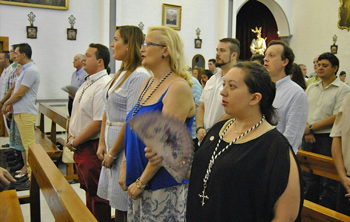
(46, 215)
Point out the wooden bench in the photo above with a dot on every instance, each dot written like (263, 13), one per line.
(61, 198)
(10, 209)
(49, 142)
(317, 164)
(323, 166)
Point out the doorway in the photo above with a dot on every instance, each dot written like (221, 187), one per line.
(254, 14)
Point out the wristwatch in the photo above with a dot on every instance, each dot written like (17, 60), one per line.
(311, 129)
(139, 184)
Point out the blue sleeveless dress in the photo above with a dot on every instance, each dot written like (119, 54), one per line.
(163, 198)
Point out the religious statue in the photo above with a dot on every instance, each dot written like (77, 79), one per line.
(258, 45)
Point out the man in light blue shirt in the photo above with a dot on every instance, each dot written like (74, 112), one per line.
(24, 97)
(78, 78)
(290, 100)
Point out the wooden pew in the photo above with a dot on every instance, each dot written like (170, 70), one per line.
(49, 142)
(10, 209)
(63, 201)
(317, 164)
(323, 166)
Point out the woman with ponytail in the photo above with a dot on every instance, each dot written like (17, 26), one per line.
(119, 95)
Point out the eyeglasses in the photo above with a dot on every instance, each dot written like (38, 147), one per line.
(146, 44)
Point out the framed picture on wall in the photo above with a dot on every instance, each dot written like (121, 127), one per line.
(334, 49)
(344, 15)
(32, 32)
(171, 16)
(50, 4)
(198, 43)
(72, 34)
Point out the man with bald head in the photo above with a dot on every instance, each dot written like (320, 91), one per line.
(78, 78)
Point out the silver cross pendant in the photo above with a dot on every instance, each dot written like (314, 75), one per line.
(203, 196)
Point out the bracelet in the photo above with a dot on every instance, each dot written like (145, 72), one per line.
(198, 128)
(112, 156)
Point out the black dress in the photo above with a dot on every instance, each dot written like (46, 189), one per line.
(246, 180)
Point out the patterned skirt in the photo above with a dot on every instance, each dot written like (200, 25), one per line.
(168, 205)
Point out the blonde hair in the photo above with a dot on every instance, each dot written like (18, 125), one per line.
(174, 44)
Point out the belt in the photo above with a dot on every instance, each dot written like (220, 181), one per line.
(114, 123)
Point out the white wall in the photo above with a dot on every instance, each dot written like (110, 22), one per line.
(52, 52)
(312, 31)
(202, 14)
(315, 23)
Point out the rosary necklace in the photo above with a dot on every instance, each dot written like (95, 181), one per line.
(138, 105)
(214, 156)
(86, 87)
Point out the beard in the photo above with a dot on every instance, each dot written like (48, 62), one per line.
(221, 64)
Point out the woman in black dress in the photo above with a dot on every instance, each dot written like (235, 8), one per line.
(245, 170)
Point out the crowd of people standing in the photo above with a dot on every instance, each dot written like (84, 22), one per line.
(247, 120)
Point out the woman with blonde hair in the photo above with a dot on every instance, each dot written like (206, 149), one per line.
(119, 95)
(154, 193)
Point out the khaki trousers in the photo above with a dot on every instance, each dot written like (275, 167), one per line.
(25, 123)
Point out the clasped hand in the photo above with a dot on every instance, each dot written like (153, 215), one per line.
(153, 158)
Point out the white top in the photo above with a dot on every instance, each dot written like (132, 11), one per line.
(90, 107)
(213, 110)
(3, 80)
(325, 102)
(292, 107)
(341, 128)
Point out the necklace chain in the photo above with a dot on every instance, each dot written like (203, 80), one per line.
(214, 156)
(86, 87)
(139, 104)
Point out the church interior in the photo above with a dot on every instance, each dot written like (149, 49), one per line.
(61, 32)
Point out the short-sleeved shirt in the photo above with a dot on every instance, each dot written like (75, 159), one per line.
(341, 128)
(292, 107)
(4, 79)
(325, 102)
(29, 77)
(213, 110)
(88, 103)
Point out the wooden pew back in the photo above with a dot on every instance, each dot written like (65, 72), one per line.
(317, 164)
(63, 201)
(323, 166)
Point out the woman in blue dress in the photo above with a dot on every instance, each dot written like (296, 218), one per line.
(119, 95)
(154, 193)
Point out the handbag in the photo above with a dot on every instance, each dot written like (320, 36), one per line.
(67, 156)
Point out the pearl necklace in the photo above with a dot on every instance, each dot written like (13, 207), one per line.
(214, 156)
(138, 105)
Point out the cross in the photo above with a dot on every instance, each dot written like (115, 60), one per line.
(203, 196)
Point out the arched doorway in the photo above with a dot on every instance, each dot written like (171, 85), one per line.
(252, 14)
(198, 61)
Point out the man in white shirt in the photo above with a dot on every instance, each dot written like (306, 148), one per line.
(325, 98)
(210, 109)
(341, 155)
(290, 100)
(85, 126)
